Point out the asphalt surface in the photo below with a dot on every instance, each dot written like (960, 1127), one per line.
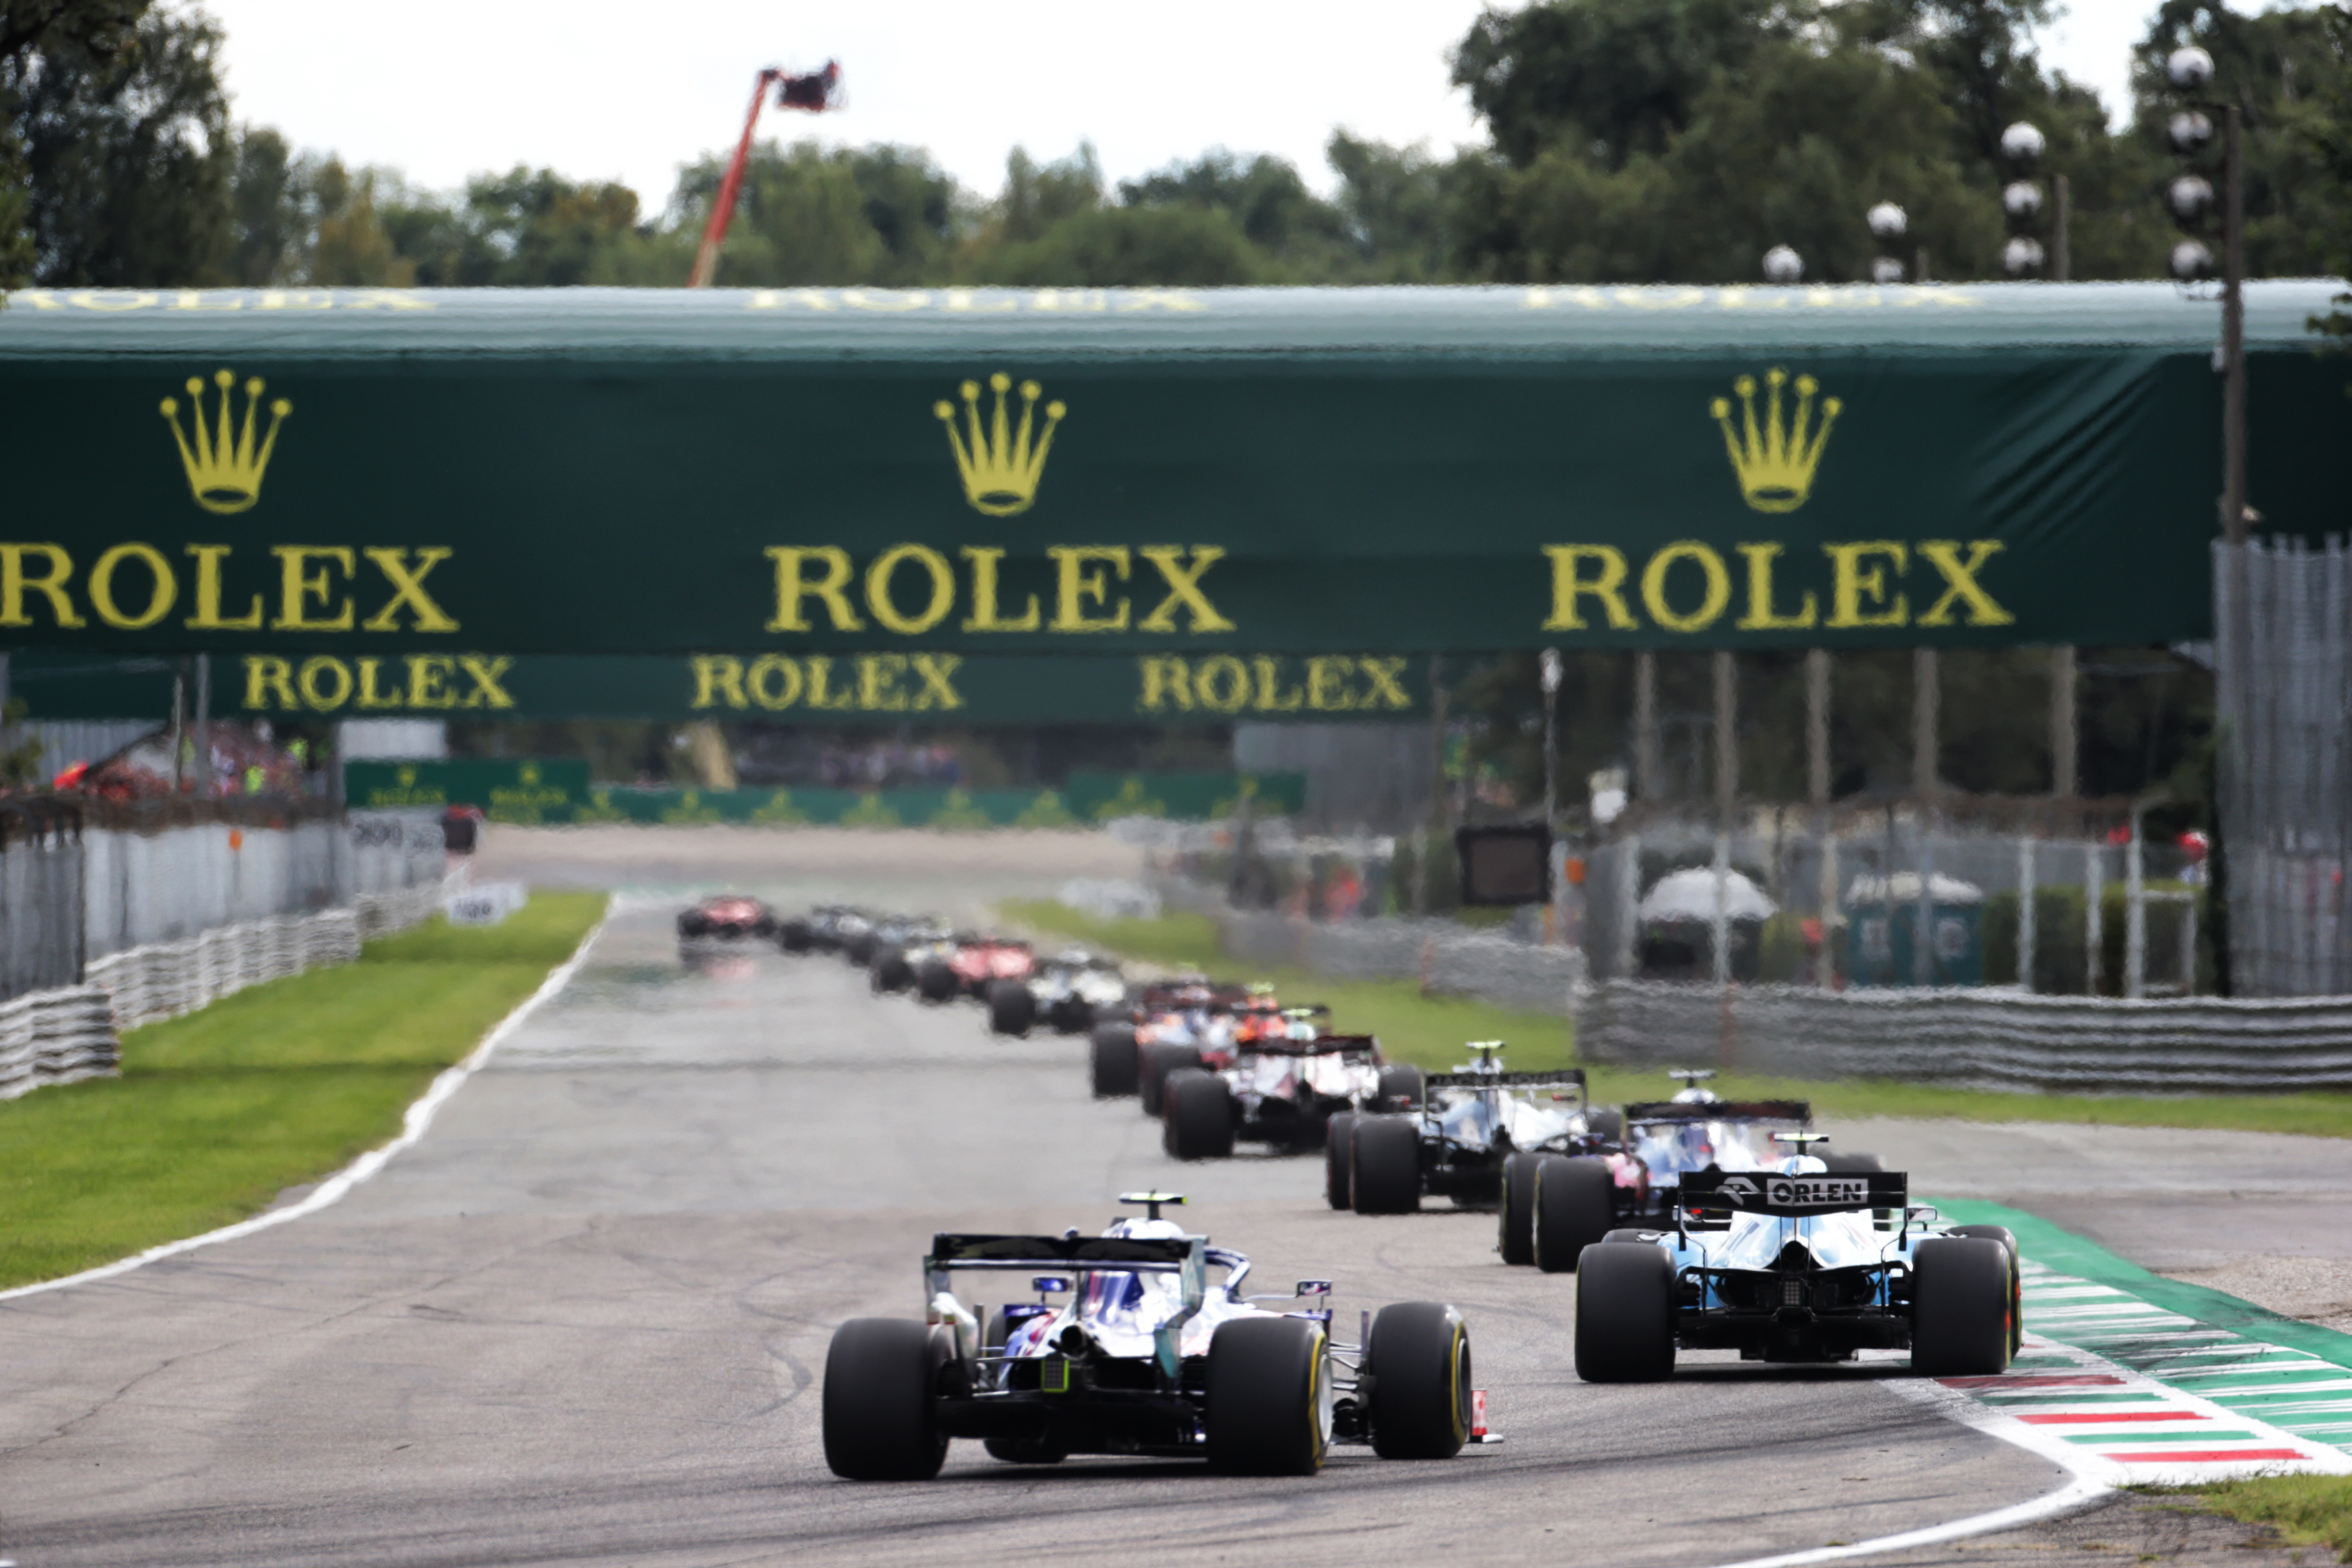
(585, 1322)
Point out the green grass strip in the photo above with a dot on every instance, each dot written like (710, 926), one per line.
(2306, 1510)
(1430, 1030)
(217, 1112)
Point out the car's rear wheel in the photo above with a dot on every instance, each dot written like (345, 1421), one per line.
(1385, 1165)
(1114, 1061)
(1515, 1215)
(1630, 1237)
(934, 980)
(1160, 1059)
(1420, 1361)
(1269, 1397)
(1400, 1087)
(1961, 1306)
(890, 971)
(1855, 1164)
(793, 936)
(1624, 1315)
(2003, 1233)
(1198, 1124)
(880, 1377)
(1339, 1134)
(1575, 1206)
(859, 949)
(694, 922)
(1011, 1008)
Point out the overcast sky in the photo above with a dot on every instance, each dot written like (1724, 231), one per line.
(598, 88)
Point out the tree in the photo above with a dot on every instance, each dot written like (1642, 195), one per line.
(29, 31)
(1266, 200)
(2326, 129)
(1397, 203)
(1111, 247)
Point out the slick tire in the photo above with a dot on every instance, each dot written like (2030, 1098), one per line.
(1575, 1206)
(1158, 1060)
(1011, 1008)
(792, 936)
(934, 980)
(880, 1424)
(891, 973)
(693, 924)
(1961, 1306)
(1338, 1135)
(1856, 1163)
(1384, 1166)
(1197, 1117)
(1624, 1315)
(2002, 1234)
(1113, 1059)
(1419, 1357)
(1269, 1397)
(1515, 1215)
(859, 949)
(1400, 1087)
(1630, 1237)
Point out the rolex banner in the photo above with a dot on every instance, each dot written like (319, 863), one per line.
(361, 476)
(870, 687)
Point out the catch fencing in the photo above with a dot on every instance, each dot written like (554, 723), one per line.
(41, 941)
(1975, 1037)
(2282, 647)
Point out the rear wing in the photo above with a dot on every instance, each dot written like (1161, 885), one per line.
(1798, 1110)
(1187, 1258)
(1563, 1077)
(1320, 1046)
(1710, 1198)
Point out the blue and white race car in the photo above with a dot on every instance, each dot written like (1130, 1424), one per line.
(1798, 1263)
(1129, 1348)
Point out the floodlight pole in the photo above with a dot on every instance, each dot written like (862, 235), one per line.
(2234, 519)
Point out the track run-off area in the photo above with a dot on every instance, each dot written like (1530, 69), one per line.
(583, 1318)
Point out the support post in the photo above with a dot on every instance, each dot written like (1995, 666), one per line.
(1726, 790)
(2135, 914)
(1817, 789)
(2062, 230)
(2065, 743)
(2026, 914)
(2234, 519)
(1926, 701)
(1647, 784)
(206, 781)
(2095, 898)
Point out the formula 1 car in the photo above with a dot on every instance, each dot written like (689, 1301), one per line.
(1287, 1089)
(1129, 1349)
(901, 943)
(1074, 988)
(819, 930)
(1554, 1207)
(729, 916)
(1798, 1264)
(1455, 1143)
(1168, 1024)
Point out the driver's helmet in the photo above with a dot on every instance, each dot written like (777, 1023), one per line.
(1122, 1297)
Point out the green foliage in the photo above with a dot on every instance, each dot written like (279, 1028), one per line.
(218, 1111)
(2060, 966)
(2307, 1511)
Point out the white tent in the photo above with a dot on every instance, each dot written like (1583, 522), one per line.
(1904, 889)
(1689, 895)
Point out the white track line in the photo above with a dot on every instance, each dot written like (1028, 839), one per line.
(2079, 1493)
(413, 1123)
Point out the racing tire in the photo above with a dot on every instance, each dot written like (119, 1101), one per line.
(1400, 1087)
(1011, 1008)
(792, 936)
(1073, 1017)
(1515, 1215)
(1575, 1206)
(1384, 1166)
(934, 980)
(1113, 1061)
(890, 971)
(1418, 1356)
(1624, 1315)
(1607, 1125)
(1269, 1397)
(2003, 1233)
(859, 949)
(1197, 1122)
(881, 1417)
(1961, 1306)
(1338, 1135)
(1158, 1059)
(1857, 1163)
(1630, 1237)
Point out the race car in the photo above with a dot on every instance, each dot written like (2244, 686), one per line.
(1555, 1206)
(900, 943)
(1795, 1263)
(994, 969)
(1168, 1024)
(1074, 988)
(729, 916)
(819, 930)
(1285, 1089)
(1131, 1348)
(1455, 1141)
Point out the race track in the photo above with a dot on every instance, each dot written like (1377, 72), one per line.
(584, 1320)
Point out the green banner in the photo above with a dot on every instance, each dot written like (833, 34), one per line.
(554, 793)
(879, 688)
(366, 475)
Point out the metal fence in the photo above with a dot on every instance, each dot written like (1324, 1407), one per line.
(41, 943)
(2283, 644)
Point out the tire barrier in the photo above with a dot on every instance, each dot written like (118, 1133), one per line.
(1975, 1037)
(70, 1033)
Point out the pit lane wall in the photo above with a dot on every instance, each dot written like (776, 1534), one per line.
(1977, 1036)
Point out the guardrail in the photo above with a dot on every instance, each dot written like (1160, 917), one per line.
(1975, 1037)
(71, 1033)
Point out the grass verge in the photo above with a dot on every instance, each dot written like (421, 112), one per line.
(217, 1112)
(1430, 1030)
(2308, 1511)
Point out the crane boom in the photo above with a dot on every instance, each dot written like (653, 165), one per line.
(814, 92)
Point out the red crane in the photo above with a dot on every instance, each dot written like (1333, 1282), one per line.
(814, 92)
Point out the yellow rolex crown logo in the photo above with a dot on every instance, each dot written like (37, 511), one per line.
(1776, 463)
(1000, 466)
(224, 469)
